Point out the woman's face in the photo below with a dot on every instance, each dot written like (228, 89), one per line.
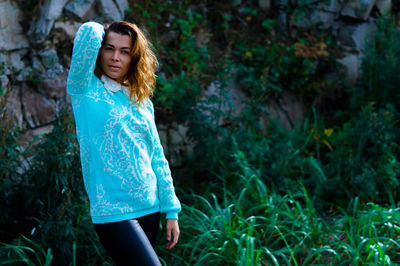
(115, 56)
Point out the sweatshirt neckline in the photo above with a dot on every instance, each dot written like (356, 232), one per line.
(113, 86)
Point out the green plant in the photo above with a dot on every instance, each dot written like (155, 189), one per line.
(242, 222)
(380, 67)
(12, 183)
(28, 252)
(263, 195)
(57, 189)
(9, 149)
(51, 202)
(272, 68)
(364, 155)
(184, 59)
(369, 234)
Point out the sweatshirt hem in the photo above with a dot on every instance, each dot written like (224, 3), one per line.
(123, 217)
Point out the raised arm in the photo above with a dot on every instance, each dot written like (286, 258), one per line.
(86, 48)
(169, 203)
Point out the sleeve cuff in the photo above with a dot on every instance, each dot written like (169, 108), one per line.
(172, 215)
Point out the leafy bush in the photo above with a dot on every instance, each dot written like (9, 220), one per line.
(248, 224)
(380, 77)
(264, 195)
(22, 253)
(184, 61)
(363, 161)
(55, 208)
(332, 163)
(12, 183)
(272, 67)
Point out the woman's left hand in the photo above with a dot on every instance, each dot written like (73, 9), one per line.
(172, 230)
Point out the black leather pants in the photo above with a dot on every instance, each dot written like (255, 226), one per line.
(131, 242)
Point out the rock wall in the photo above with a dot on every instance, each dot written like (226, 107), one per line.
(35, 51)
(34, 59)
(350, 22)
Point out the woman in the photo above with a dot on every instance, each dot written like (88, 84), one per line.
(126, 175)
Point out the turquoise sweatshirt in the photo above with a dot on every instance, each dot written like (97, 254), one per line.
(124, 168)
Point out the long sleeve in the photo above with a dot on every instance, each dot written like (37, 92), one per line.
(169, 203)
(87, 43)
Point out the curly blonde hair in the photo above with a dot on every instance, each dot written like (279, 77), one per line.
(141, 76)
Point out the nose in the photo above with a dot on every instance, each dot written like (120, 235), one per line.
(115, 56)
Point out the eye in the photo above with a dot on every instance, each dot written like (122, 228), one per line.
(108, 48)
(125, 52)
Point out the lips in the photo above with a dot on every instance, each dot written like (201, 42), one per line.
(114, 67)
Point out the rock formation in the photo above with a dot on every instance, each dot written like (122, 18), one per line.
(34, 60)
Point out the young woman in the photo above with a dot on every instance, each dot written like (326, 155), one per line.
(126, 175)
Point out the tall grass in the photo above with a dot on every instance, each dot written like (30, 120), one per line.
(256, 226)
(53, 209)
(370, 234)
(318, 194)
(27, 251)
(380, 67)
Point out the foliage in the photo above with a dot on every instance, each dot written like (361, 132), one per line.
(364, 155)
(268, 68)
(323, 192)
(9, 149)
(249, 224)
(52, 204)
(380, 67)
(12, 185)
(332, 163)
(184, 59)
(21, 251)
